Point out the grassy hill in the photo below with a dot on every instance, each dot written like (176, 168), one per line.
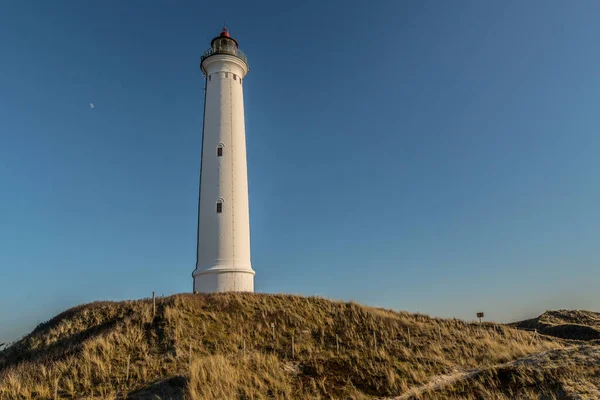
(567, 324)
(571, 372)
(256, 346)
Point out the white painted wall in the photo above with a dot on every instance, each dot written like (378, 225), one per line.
(223, 262)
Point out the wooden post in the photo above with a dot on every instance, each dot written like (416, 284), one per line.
(408, 330)
(244, 347)
(153, 305)
(293, 349)
(190, 354)
(533, 337)
(273, 327)
(337, 344)
(128, 360)
(374, 341)
(56, 389)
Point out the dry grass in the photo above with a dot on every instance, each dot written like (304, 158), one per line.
(256, 376)
(224, 347)
(568, 373)
(566, 324)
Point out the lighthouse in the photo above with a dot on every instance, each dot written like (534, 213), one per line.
(223, 252)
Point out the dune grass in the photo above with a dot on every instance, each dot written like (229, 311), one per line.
(566, 324)
(225, 346)
(567, 373)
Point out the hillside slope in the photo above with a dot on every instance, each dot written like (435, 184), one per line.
(568, 373)
(566, 324)
(249, 346)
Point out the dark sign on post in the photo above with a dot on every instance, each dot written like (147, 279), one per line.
(479, 315)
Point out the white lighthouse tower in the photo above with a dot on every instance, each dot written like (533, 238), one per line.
(223, 255)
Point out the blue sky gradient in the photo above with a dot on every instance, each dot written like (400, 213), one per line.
(430, 156)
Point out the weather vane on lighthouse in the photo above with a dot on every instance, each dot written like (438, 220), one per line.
(223, 252)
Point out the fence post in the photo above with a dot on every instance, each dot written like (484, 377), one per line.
(190, 354)
(533, 337)
(244, 347)
(128, 360)
(408, 330)
(374, 340)
(153, 305)
(293, 349)
(337, 344)
(56, 389)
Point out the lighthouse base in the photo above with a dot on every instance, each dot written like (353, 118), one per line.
(223, 280)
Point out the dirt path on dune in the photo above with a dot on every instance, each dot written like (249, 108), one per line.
(441, 381)
(435, 383)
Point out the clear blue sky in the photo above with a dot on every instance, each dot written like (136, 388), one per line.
(431, 156)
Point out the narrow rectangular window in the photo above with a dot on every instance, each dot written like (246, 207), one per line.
(219, 207)
(209, 77)
(226, 74)
(234, 77)
(219, 151)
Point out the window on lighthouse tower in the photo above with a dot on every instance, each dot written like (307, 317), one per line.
(220, 151)
(219, 207)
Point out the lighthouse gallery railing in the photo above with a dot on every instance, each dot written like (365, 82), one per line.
(234, 52)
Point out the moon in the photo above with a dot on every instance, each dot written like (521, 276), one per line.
(92, 105)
